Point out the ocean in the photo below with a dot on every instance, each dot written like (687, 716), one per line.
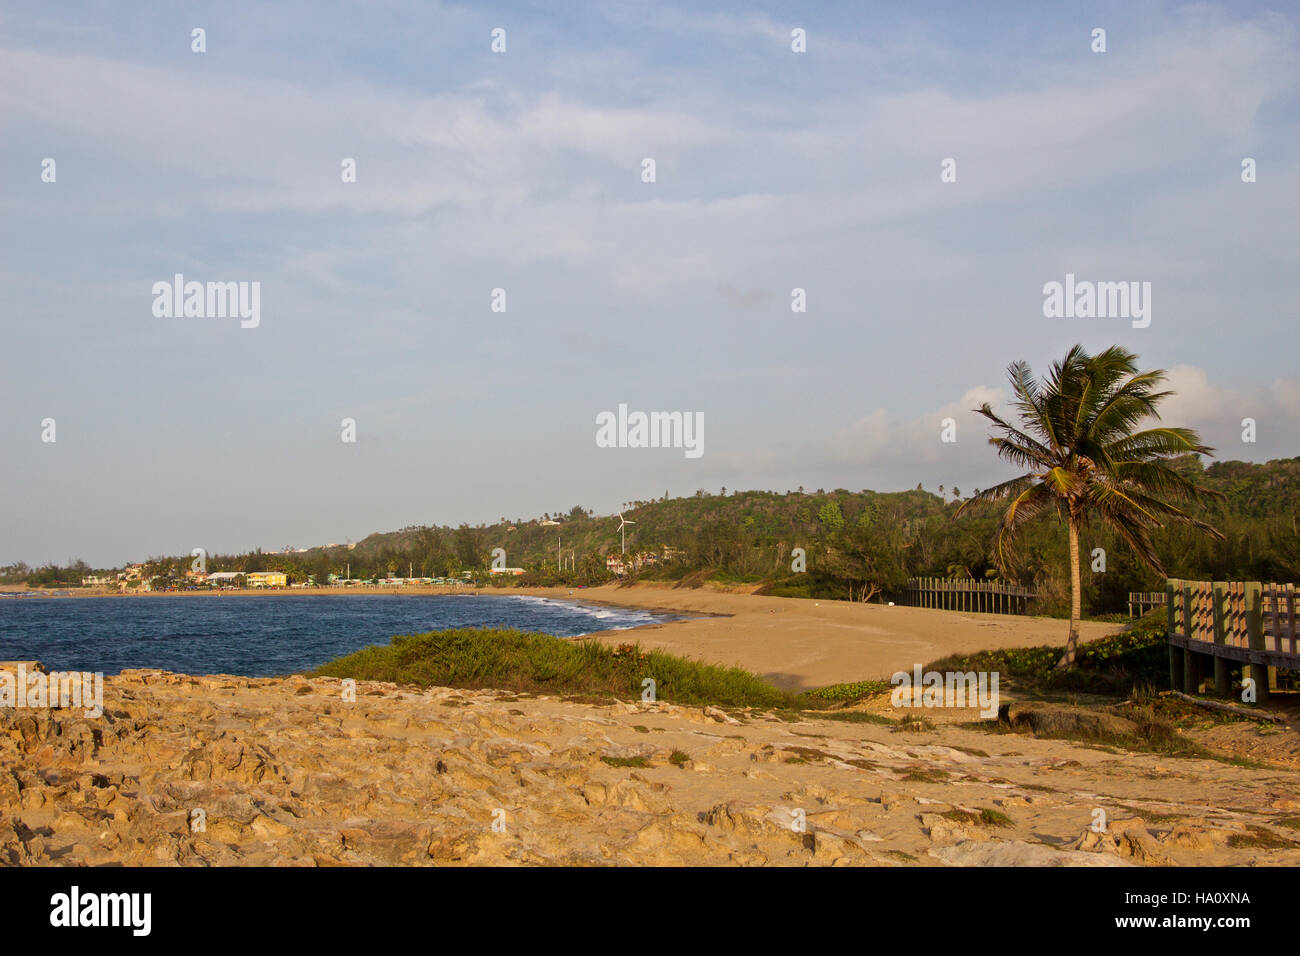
(267, 635)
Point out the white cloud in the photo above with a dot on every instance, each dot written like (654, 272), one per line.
(1216, 412)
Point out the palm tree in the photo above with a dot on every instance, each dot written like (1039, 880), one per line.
(1086, 457)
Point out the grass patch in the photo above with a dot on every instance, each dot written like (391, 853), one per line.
(1142, 727)
(1114, 666)
(985, 818)
(913, 722)
(806, 754)
(1260, 838)
(1153, 816)
(679, 758)
(585, 671)
(992, 818)
(843, 693)
(1187, 715)
(849, 717)
(926, 775)
(1150, 727)
(786, 590)
(1244, 763)
(626, 761)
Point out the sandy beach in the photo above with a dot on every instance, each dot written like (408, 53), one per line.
(799, 644)
(794, 643)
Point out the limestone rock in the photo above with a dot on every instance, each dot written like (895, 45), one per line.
(218, 770)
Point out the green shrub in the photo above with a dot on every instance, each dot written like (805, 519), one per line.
(840, 693)
(1115, 665)
(539, 663)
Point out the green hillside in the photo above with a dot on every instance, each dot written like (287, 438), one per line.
(859, 543)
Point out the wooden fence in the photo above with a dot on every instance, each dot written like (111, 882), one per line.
(968, 594)
(1221, 625)
(1144, 601)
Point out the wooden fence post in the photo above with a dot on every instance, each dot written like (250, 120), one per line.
(1255, 638)
(1191, 659)
(1290, 615)
(1175, 653)
(1222, 674)
(1275, 599)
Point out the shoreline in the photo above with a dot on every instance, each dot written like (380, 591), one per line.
(793, 643)
(557, 593)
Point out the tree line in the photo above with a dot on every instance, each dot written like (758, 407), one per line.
(859, 544)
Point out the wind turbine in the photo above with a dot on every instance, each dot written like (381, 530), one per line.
(622, 523)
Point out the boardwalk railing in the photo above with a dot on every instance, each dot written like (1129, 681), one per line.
(1143, 601)
(1216, 626)
(968, 594)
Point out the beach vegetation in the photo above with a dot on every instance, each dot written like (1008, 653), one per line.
(507, 659)
(1118, 665)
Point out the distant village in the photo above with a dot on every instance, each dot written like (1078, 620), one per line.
(135, 580)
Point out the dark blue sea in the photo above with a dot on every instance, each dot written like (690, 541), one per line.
(266, 635)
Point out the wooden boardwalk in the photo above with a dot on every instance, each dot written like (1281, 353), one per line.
(1216, 627)
(968, 594)
(1139, 602)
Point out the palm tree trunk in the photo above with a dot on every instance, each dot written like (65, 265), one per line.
(1076, 600)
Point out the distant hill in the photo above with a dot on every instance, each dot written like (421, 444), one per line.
(864, 540)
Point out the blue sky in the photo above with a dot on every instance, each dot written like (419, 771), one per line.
(521, 171)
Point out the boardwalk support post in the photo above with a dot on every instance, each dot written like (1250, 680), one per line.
(1175, 652)
(1222, 674)
(1191, 659)
(1255, 638)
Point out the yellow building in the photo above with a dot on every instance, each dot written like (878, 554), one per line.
(266, 579)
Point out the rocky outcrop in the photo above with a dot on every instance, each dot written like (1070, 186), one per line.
(216, 770)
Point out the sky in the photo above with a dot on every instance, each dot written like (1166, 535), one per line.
(523, 170)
